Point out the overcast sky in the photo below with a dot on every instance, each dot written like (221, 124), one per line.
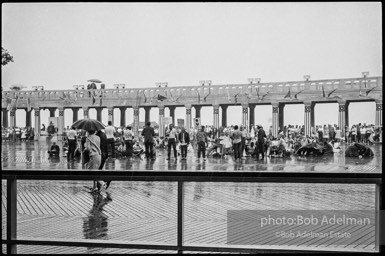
(59, 45)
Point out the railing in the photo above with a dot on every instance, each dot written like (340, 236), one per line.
(130, 94)
(180, 177)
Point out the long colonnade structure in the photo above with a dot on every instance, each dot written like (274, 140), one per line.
(277, 94)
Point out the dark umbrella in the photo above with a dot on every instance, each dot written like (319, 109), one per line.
(89, 125)
(17, 87)
(94, 80)
(161, 97)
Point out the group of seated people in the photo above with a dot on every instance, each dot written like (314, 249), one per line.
(120, 148)
(273, 146)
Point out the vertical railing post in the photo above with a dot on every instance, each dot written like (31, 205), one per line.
(377, 222)
(11, 214)
(180, 200)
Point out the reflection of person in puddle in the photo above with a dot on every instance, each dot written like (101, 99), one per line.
(95, 225)
(183, 165)
(198, 191)
(149, 165)
(171, 165)
(201, 166)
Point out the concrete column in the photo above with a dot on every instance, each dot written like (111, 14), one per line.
(75, 116)
(28, 117)
(52, 112)
(252, 116)
(347, 114)
(312, 115)
(224, 115)
(99, 114)
(342, 106)
(188, 117)
(60, 121)
(378, 120)
(197, 111)
(37, 123)
(245, 115)
(123, 116)
(111, 115)
(85, 113)
(275, 120)
(4, 120)
(146, 114)
(161, 125)
(281, 107)
(12, 117)
(172, 114)
(308, 117)
(136, 121)
(216, 116)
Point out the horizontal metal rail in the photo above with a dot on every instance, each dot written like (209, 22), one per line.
(191, 176)
(180, 177)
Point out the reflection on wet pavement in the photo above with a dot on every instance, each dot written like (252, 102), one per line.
(33, 155)
(95, 225)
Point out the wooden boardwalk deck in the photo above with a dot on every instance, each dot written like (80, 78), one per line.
(146, 211)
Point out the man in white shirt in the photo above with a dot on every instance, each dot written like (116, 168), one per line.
(128, 140)
(172, 137)
(243, 140)
(110, 131)
(71, 136)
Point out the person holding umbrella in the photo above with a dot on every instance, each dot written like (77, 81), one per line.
(93, 145)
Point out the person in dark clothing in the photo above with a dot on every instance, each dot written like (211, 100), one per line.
(359, 133)
(54, 151)
(103, 147)
(237, 142)
(260, 142)
(148, 133)
(184, 139)
(86, 156)
(51, 129)
(201, 143)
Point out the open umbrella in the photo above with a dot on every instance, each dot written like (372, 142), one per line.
(17, 87)
(89, 125)
(94, 80)
(161, 97)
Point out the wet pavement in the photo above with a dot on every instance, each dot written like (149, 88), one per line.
(146, 211)
(33, 155)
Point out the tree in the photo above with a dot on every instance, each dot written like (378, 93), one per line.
(5, 57)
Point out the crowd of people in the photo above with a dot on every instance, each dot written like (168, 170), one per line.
(234, 141)
(18, 133)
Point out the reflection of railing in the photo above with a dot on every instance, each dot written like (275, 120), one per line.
(191, 91)
(172, 176)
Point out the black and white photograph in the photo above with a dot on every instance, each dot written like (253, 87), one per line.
(191, 127)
